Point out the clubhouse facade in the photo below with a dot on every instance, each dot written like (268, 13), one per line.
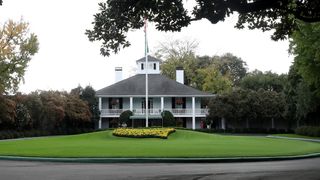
(184, 102)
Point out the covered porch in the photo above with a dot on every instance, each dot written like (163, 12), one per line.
(180, 107)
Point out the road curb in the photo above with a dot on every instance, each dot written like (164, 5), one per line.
(293, 138)
(159, 160)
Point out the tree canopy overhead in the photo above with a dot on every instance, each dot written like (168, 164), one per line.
(115, 18)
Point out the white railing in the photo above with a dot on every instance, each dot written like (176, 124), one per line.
(175, 112)
(111, 112)
(143, 111)
(180, 111)
(188, 111)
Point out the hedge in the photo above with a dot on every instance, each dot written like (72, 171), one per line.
(313, 131)
(247, 130)
(12, 134)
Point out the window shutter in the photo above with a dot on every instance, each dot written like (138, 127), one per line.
(173, 100)
(109, 102)
(120, 103)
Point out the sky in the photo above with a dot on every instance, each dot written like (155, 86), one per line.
(66, 58)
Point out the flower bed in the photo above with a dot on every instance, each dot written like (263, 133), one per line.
(144, 133)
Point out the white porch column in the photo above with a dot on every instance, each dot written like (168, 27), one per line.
(193, 113)
(223, 123)
(100, 107)
(100, 123)
(131, 104)
(162, 104)
(100, 103)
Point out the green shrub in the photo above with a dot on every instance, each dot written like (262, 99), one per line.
(11, 134)
(125, 116)
(168, 119)
(308, 131)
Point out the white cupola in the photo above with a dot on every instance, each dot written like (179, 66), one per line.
(153, 65)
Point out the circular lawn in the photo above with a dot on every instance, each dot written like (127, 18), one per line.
(181, 144)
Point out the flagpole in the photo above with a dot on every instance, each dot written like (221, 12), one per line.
(146, 68)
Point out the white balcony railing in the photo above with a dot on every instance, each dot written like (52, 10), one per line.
(175, 112)
(111, 112)
(143, 111)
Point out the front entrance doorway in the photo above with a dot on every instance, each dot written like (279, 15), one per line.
(150, 104)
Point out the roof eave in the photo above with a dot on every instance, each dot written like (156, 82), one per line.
(213, 95)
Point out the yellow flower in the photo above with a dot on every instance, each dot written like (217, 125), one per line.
(142, 133)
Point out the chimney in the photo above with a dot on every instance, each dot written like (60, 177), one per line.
(118, 75)
(180, 75)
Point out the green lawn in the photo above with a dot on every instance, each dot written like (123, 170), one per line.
(182, 143)
(296, 136)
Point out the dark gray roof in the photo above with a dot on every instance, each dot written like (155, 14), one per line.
(150, 59)
(158, 85)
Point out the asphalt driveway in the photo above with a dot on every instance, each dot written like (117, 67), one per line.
(290, 169)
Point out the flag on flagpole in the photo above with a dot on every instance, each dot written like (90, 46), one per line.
(146, 70)
(145, 33)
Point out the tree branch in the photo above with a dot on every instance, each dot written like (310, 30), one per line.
(307, 19)
(245, 7)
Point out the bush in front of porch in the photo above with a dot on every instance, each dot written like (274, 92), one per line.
(125, 117)
(168, 119)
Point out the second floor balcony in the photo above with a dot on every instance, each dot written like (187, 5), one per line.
(176, 112)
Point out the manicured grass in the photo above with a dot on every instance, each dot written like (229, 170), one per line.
(296, 136)
(182, 143)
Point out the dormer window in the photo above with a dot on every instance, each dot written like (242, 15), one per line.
(142, 66)
(154, 66)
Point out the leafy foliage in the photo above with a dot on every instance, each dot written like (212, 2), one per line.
(23, 119)
(7, 112)
(53, 109)
(49, 111)
(302, 101)
(115, 18)
(215, 74)
(308, 131)
(242, 106)
(125, 116)
(305, 45)
(77, 111)
(178, 53)
(232, 66)
(35, 107)
(88, 94)
(168, 119)
(268, 81)
(17, 46)
(213, 81)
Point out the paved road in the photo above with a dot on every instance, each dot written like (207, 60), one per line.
(294, 169)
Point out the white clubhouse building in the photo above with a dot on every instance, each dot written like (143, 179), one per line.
(182, 101)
